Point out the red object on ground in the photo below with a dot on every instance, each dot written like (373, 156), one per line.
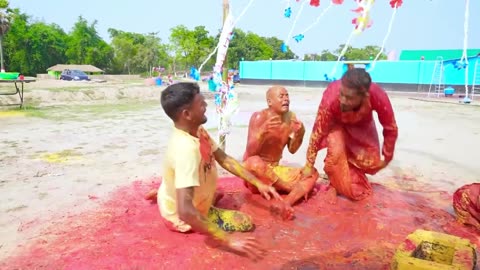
(126, 232)
(466, 203)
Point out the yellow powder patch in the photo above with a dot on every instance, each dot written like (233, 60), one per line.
(61, 157)
(11, 114)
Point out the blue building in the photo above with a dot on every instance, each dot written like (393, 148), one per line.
(414, 71)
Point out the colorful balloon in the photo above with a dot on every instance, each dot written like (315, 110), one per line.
(396, 3)
(288, 12)
(298, 38)
(315, 3)
(363, 21)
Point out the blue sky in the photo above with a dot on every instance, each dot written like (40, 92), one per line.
(419, 24)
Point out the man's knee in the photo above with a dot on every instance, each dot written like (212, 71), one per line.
(309, 183)
(335, 147)
(336, 136)
(254, 164)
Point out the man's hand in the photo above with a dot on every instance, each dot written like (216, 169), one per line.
(271, 124)
(268, 192)
(295, 125)
(282, 209)
(246, 245)
(377, 167)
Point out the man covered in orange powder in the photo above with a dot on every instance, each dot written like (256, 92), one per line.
(466, 203)
(345, 126)
(269, 132)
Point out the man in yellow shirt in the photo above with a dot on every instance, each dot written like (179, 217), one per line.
(186, 195)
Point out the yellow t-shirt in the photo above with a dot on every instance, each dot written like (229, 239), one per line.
(189, 162)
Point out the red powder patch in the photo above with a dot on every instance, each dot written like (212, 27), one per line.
(126, 233)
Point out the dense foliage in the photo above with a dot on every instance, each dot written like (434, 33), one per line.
(30, 47)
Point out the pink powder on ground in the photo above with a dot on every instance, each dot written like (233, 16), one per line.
(126, 232)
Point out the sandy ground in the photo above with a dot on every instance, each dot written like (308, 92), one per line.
(82, 141)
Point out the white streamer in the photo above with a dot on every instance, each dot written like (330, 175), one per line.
(208, 58)
(390, 26)
(234, 23)
(342, 53)
(465, 44)
(295, 22)
(318, 19)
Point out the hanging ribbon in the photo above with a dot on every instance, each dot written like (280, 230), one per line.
(363, 21)
(396, 4)
(223, 89)
(300, 37)
(340, 57)
(284, 46)
(464, 59)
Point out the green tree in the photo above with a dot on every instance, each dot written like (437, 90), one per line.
(137, 53)
(361, 54)
(85, 46)
(372, 51)
(124, 51)
(46, 46)
(328, 56)
(251, 47)
(190, 47)
(16, 46)
(276, 45)
(151, 53)
(5, 23)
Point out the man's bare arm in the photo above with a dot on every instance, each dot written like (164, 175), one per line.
(190, 215)
(236, 168)
(296, 138)
(256, 136)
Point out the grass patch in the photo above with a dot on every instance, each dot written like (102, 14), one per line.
(26, 110)
(79, 112)
(76, 88)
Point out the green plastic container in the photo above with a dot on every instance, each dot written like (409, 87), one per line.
(9, 75)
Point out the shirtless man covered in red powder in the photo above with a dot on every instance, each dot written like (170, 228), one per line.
(270, 131)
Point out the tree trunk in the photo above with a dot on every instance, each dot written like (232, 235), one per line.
(226, 9)
(1, 54)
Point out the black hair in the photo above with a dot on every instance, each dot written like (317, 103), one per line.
(177, 96)
(357, 78)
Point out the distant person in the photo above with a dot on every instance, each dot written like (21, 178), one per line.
(187, 192)
(345, 126)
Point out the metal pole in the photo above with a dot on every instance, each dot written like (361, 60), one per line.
(226, 9)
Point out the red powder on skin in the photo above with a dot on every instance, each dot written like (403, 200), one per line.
(126, 233)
